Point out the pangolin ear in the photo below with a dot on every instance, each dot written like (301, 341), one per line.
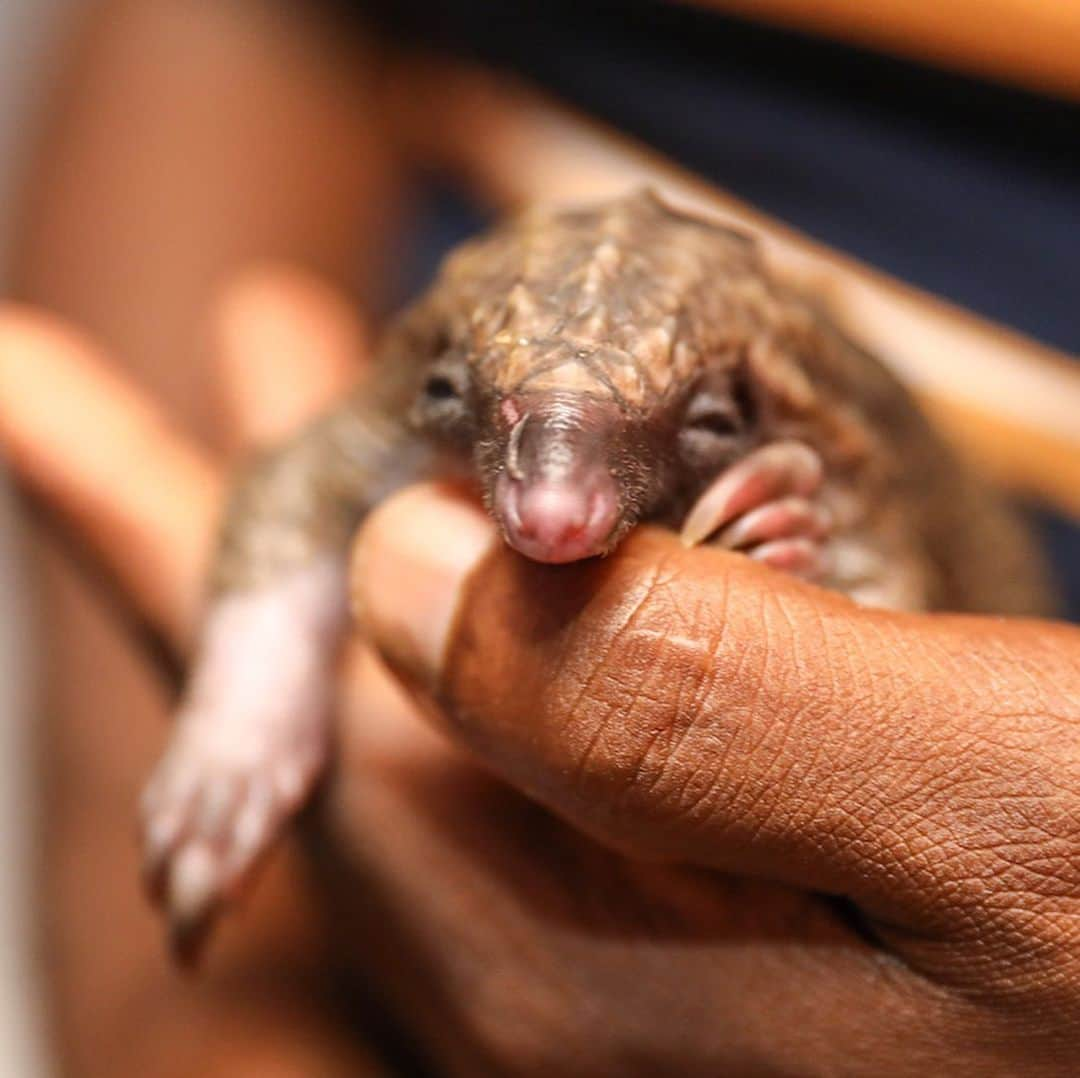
(696, 213)
(777, 379)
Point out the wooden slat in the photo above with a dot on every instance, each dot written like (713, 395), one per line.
(1032, 43)
(1040, 464)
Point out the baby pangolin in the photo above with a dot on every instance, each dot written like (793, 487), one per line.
(589, 369)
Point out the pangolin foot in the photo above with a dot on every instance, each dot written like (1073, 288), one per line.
(766, 506)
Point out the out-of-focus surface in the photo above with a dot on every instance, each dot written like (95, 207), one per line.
(26, 30)
(20, 1041)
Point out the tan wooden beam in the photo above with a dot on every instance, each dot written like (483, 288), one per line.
(1032, 43)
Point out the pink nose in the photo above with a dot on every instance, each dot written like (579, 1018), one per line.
(556, 522)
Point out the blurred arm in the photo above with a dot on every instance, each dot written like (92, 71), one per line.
(185, 140)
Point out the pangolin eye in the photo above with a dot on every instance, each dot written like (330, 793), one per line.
(440, 388)
(441, 406)
(712, 428)
(722, 424)
(716, 414)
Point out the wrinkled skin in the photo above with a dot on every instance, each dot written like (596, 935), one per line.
(848, 838)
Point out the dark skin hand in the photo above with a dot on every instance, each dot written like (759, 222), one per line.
(890, 800)
(722, 822)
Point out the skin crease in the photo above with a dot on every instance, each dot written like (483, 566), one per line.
(924, 767)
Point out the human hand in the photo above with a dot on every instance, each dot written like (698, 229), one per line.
(891, 801)
(698, 714)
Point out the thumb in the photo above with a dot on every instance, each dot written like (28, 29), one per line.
(693, 705)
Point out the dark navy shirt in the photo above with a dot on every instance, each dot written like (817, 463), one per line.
(967, 189)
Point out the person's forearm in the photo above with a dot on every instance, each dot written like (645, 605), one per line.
(187, 139)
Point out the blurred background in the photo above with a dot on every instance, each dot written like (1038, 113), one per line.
(29, 30)
(916, 163)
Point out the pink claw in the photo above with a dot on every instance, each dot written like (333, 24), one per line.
(783, 519)
(769, 473)
(800, 557)
(763, 506)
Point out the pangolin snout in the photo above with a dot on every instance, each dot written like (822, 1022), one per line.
(555, 496)
(557, 521)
